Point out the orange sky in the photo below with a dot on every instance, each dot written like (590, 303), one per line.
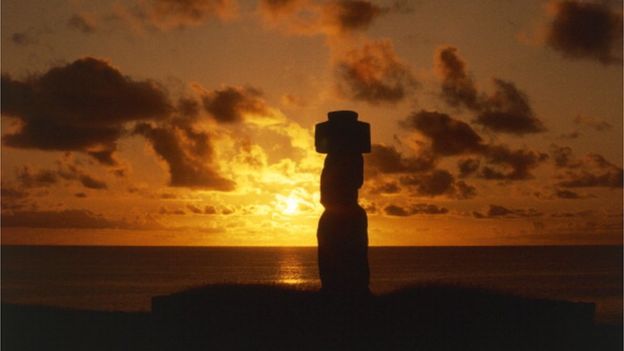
(158, 122)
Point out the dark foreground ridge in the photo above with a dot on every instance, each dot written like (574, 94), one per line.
(254, 317)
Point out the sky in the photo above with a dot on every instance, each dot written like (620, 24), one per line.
(191, 122)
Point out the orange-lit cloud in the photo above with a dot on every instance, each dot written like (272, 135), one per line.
(428, 209)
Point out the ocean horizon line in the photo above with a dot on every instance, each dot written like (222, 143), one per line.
(306, 246)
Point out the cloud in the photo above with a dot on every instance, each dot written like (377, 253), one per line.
(448, 136)
(388, 160)
(593, 123)
(468, 166)
(436, 183)
(29, 178)
(586, 30)
(71, 218)
(330, 18)
(496, 211)
(374, 74)
(188, 153)
(89, 182)
(386, 188)
(596, 172)
(452, 137)
(507, 110)
(427, 209)
(510, 164)
(174, 14)
(562, 156)
(208, 210)
(458, 89)
(567, 194)
(593, 170)
(22, 39)
(350, 15)
(171, 212)
(81, 106)
(231, 104)
(82, 22)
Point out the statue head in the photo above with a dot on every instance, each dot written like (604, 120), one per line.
(342, 133)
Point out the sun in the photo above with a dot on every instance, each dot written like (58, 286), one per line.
(288, 205)
(291, 206)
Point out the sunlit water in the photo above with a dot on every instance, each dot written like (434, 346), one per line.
(125, 278)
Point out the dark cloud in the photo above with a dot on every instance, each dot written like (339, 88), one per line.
(13, 197)
(448, 136)
(82, 106)
(105, 157)
(610, 177)
(350, 15)
(80, 195)
(496, 211)
(427, 209)
(22, 39)
(393, 210)
(567, 194)
(278, 7)
(593, 123)
(464, 191)
(83, 219)
(386, 188)
(562, 156)
(230, 104)
(331, 18)
(388, 160)
(468, 166)
(451, 137)
(593, 170)
(571, 135)
(89, 182)
(436, 183)
(171, 212)
(9, 192)
(578, 214)
(507, 110)
(29, 178)
(374, 74)
(507, 164)
(208, 210)
(188, 153)
(82, 22)
(177, 14)
(458, 89)
(586, 30)
(194, 209)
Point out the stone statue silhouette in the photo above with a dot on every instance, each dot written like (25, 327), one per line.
(343, 227)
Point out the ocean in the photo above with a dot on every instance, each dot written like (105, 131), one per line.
(126, 278)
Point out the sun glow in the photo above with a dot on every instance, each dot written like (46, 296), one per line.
(290, 205)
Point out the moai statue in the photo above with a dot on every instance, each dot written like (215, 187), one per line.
(343, 228)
